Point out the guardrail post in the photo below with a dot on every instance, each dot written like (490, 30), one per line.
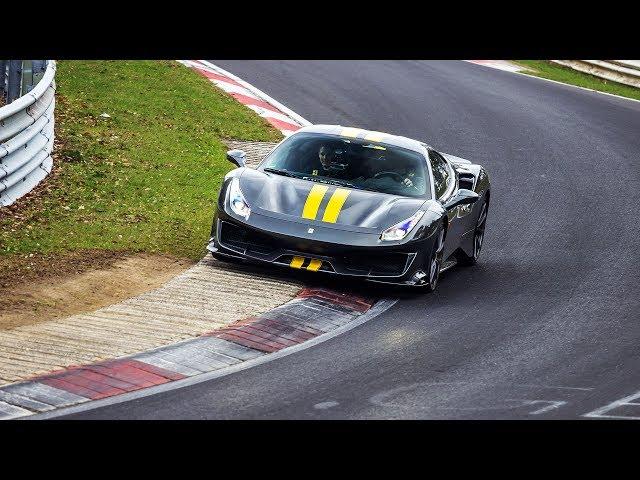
(27, 77)
(38, 67)
(15, 77)
(3, 79)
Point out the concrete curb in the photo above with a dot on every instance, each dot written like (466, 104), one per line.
(313, 314)
(205, 297)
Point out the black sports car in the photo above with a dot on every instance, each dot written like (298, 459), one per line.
(353, 202)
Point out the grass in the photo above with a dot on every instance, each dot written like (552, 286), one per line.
(143, 179)
(553, 71)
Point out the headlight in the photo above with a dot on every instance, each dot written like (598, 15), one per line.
(236, 200)
(400, 230)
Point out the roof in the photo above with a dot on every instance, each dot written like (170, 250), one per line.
(360, 133)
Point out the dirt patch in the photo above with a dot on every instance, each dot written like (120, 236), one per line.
(38, 288)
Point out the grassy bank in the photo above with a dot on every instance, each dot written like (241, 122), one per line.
(559, 73)
(143, 177)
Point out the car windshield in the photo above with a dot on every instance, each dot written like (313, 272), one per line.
(350, 162)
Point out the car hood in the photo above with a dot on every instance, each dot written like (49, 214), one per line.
(364, 211)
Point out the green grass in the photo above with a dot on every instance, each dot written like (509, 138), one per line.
(143, 180)
(553, 71)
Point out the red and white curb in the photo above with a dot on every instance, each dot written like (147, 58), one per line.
(313, 314)
(499, 64)
(281, 117)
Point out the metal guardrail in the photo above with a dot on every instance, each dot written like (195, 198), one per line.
(620, 71)
(26, 127)
(635, 64)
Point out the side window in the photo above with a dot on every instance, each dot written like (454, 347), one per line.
(441, 174)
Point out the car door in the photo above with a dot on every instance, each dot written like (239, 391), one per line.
(444, 182)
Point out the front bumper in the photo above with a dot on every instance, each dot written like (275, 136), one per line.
(336, 253)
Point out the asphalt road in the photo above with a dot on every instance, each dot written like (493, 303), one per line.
(545, 326)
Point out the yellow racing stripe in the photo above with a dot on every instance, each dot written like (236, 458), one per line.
(314, 265)
(297, 262)
(316, 194)
(335, 205)
(374, 136)
(351, 132)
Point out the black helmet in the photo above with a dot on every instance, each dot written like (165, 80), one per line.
(332, 158)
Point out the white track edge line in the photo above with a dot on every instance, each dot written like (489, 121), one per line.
(379, 308)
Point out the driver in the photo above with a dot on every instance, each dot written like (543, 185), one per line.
(411, 180)
(332, 163)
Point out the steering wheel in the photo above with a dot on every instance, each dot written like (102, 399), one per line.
(396, 175)
(399, 178)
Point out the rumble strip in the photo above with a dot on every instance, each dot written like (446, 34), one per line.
(272, 111)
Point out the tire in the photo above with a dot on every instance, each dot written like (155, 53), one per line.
(478, 237)
(435, 262)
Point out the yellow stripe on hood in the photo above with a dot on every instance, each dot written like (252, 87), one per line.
(335, 205)
(311, 206)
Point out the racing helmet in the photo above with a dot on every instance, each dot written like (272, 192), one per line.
(332, 158)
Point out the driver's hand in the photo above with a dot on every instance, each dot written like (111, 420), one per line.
(407, 183)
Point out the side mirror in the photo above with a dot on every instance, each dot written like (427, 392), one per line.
(462, 197)
(237, 157)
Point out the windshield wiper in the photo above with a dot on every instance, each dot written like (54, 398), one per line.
(280, 172)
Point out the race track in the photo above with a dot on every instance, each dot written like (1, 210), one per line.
(545, 326)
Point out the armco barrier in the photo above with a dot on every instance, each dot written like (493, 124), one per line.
(26, 139)
(620, 71)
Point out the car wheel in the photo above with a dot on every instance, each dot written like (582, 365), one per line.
(478, 236)
(435, 262)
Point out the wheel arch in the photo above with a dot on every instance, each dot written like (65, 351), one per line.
(445, 225)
